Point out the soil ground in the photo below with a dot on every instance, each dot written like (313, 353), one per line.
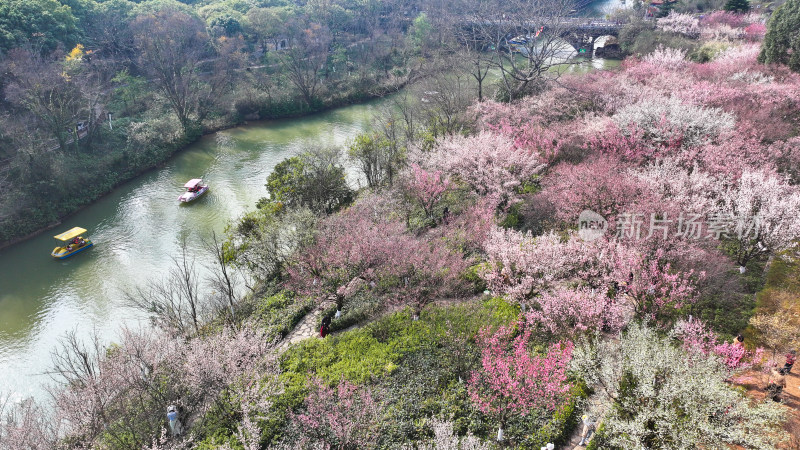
(756, 382)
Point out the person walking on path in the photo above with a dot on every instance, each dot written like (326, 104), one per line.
(777, 382)
(588, 430)
(790, 357)
(325, 329)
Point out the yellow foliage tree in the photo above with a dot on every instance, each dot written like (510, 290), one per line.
(76, 54)
(73, 61)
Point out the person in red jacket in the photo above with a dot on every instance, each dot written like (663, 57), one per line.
(790, 357)
(325, 329)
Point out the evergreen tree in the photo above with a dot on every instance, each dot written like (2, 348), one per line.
(43, 24)
(737, 6)
(782, 42)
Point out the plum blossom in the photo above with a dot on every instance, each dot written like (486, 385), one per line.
(669, 119)
(572, 311)
(685, 24)
(512, 379)
(655, 391)
(690, 189)
(763, 210)
(489, 163)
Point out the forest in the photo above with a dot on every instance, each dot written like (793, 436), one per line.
(606, 260)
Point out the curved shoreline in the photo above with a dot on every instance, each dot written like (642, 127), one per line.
(334, 105)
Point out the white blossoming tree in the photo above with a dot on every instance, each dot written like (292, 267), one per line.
(670, 119)
(661, 396)
(691, 190)
(763, 210)
(685, 24)
(489, 163)
(446, 439)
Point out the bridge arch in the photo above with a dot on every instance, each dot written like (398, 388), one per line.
(607, 47)
(585, 37)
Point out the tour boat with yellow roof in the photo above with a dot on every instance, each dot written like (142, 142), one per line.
(73, 243)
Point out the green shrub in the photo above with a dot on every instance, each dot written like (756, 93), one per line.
(280, 313)
(502, 310)
(358, 309)
(472, 275)
(513, 218)
(561, 423)
(707, 52)
(373, 351)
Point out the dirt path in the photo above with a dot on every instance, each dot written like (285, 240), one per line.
(593, 404)
(575, 439)
(755, 383)
(307, 328)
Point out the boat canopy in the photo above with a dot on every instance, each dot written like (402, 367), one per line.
(193, 182)
(73, 233)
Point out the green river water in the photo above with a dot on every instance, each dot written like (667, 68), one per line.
(136, 230)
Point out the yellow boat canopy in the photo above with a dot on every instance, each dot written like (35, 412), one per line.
(67, 235)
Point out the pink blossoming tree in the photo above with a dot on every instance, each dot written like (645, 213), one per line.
(521, 265)
(341, 417)
(426, 188)
(513, 380)
(597, 184)
(568, 312)
(698, 338)
(359, 243)
(488, 162)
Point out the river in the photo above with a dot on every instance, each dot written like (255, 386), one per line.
(137, 229)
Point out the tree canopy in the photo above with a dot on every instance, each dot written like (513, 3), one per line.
(737, 6)
(315, 180)
(42, 24)
(782, 43)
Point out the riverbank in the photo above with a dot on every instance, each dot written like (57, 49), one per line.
(137, 228)
(165, 152)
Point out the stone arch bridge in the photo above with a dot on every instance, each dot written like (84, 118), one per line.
(580, 32)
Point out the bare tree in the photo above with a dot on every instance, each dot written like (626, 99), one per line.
(474, 54)
(76, 363)
(305, 58)
(171, 47)
(224, 281)
(174, 302)
(444, 97)
(525, 36)
(402, 121)
(39, 86)
(222, 76)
